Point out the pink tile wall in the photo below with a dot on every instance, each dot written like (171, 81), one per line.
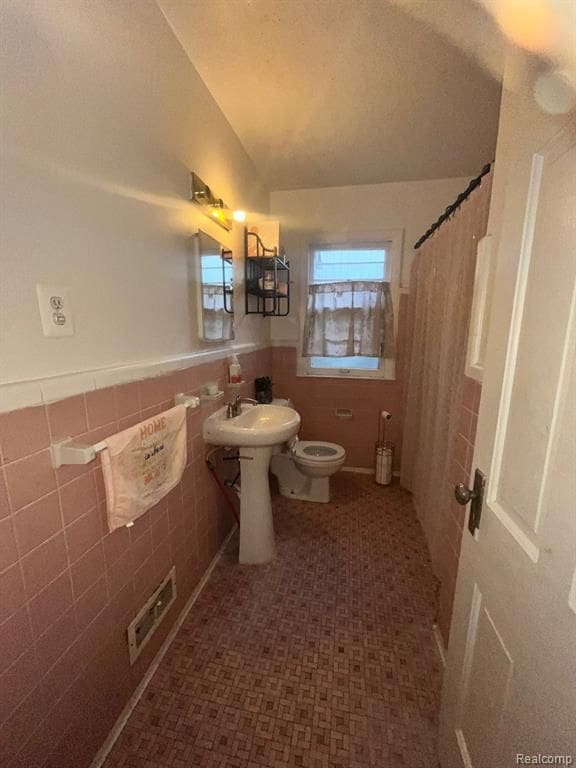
(455, 519)
(68, 588)
(316, 399)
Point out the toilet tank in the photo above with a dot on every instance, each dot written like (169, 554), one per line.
(285, 448)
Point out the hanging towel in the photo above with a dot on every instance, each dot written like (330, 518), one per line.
(142, 464)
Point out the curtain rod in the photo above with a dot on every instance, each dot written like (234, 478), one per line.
(455, 205)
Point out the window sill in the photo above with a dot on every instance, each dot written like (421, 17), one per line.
(386, 373)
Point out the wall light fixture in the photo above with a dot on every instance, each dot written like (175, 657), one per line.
(214, 206)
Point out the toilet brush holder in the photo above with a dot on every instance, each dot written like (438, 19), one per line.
(384, 459)
(384, 452)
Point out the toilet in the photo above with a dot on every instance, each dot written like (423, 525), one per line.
(304, 467)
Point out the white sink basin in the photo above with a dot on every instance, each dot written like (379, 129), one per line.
(255, 431)
(257, 426)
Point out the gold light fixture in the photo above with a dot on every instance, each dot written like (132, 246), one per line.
(214, 206)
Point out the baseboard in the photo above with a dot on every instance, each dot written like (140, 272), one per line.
(439, 643)
(365, 471)
(105, 749)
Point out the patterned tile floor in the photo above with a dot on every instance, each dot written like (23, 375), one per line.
(323, 659)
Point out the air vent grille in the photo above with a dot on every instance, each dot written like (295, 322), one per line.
(150, 615)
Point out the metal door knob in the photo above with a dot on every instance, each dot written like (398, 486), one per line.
(463, 494)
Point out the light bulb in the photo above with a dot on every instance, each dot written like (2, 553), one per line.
(239, 215)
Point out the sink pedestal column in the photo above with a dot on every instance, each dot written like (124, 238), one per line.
(256, 522)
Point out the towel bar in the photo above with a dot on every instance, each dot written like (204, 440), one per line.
(68, 452)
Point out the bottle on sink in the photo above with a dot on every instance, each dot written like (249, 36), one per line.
(234, 370)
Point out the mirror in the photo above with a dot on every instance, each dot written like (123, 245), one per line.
(215, 290)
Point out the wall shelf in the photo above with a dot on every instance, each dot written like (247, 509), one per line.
(267, 279)
(204, 398)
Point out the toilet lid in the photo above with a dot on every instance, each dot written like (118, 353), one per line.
(317, 451)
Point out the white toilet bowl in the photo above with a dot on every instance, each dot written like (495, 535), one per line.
(304, 467)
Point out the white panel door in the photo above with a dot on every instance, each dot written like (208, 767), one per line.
(510, 683)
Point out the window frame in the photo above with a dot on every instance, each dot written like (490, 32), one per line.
(390, 239)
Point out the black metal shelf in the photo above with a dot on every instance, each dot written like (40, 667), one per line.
(265, 267)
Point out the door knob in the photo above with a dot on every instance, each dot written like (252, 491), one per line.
(463, 494)
(475, 495)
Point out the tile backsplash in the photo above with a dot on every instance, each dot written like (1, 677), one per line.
(317, 399)
(68, 587)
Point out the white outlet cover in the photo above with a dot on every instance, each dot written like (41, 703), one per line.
(55, 310)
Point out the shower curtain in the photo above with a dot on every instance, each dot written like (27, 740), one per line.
(439, 305)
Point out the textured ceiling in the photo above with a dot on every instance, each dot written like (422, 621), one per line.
(338, 92)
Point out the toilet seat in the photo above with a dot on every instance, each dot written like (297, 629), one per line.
(317, 452)
(304, 469)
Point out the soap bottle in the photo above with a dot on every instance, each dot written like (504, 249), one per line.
(234, 370)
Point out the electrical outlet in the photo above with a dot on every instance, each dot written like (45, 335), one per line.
(55, 310)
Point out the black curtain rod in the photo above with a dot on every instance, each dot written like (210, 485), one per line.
(455, 205)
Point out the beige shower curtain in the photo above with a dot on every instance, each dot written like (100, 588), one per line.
(439, 306)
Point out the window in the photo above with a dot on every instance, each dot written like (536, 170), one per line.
(331, 265)
(353, 262)
(211, 269)
(338, 264)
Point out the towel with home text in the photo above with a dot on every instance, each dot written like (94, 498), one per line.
(142, 464)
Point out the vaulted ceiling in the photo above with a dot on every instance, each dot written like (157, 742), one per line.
(338, 92)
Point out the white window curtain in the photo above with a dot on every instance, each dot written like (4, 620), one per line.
(218, 324)
(349, 319)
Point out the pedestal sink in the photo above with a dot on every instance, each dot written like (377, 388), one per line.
(255, 431)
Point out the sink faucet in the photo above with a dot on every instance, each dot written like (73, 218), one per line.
(234, 407)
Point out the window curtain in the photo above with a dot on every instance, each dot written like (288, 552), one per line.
(349, 319)
(218, 324)
(439, 306)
